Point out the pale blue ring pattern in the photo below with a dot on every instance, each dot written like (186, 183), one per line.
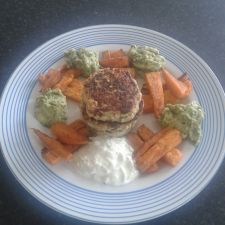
(113, 208)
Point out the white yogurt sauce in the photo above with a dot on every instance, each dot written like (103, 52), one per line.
(106, 160)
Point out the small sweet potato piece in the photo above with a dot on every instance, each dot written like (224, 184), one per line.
(144, 89)
(148, 104)
(120, 62)
(154, 83)
(144, 132)
(50, 79)
(50, 156)
(172, 157)
(151, 142)
(67, 135)
(185, 79)
(153, 168)
(53, 145)
(169, 98)
(177, 87)
(77, 124)
(166, 143)
(67, 78)
(74, 90)
(135, 141)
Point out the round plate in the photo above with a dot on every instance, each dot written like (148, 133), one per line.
(147, 197)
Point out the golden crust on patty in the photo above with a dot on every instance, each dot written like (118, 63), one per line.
(111, 95)
(110, 128)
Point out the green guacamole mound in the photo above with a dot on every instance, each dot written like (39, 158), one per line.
(186, 118)
(145, 58)
(83, 59)
(50, 107)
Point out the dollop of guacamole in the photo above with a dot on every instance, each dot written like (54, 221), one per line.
(83, 59)
(146, 58)
(50, 107)
(186, 118)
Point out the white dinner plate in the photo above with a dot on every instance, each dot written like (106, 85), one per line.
(147, 197)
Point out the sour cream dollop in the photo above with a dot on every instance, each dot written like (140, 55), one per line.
(106, 160)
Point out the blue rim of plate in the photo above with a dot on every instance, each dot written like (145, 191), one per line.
(111, 208)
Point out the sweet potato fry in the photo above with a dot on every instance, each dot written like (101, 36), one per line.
(172, 157)
(72, 148)
(177, 88)
(151, 142)
(77, 124)
(166, 143)
(144, 89)
(169, 98)
(119, 62)
(114, 59)
(148, 104)
(153, 168)
(144, 132)
(50, 79)
(84, 131)
(185, 79)
(50, 156)
(53, 145)
(154, 83)
(117, 54)
(67, 78)
(135, 141)
(74, 90)
(67, 135)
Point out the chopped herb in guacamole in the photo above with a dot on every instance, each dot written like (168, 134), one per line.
(50, 107)
(145, 58)
(186, 118)
(83, 59)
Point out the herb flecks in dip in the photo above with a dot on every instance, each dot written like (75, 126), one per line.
(186, 118)
(146, 58)
(82, 59)
(50, 107)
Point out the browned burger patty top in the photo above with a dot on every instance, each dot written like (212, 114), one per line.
(111, 95)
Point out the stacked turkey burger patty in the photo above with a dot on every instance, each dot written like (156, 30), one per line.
(111, 102)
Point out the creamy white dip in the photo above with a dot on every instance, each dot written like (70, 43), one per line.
(106, 160)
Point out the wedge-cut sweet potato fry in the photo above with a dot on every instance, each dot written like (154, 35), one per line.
(77, 124)
(154, 83)
(53, 145)
(134, 140)
(112, 54)
(144, 89)
(50, 156)
(153, 168)
(177, 88)
(74, 90)
(172, 157)
(148, 104)
(67, 135)
(116, 54)
(166, 143)
(144, 132)
(169, 98)
(50, 79)
(84, 131)
(71, 148)
(151, 142)
(115, 62)
(114, 59)
(67, 78)
(185, 79)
